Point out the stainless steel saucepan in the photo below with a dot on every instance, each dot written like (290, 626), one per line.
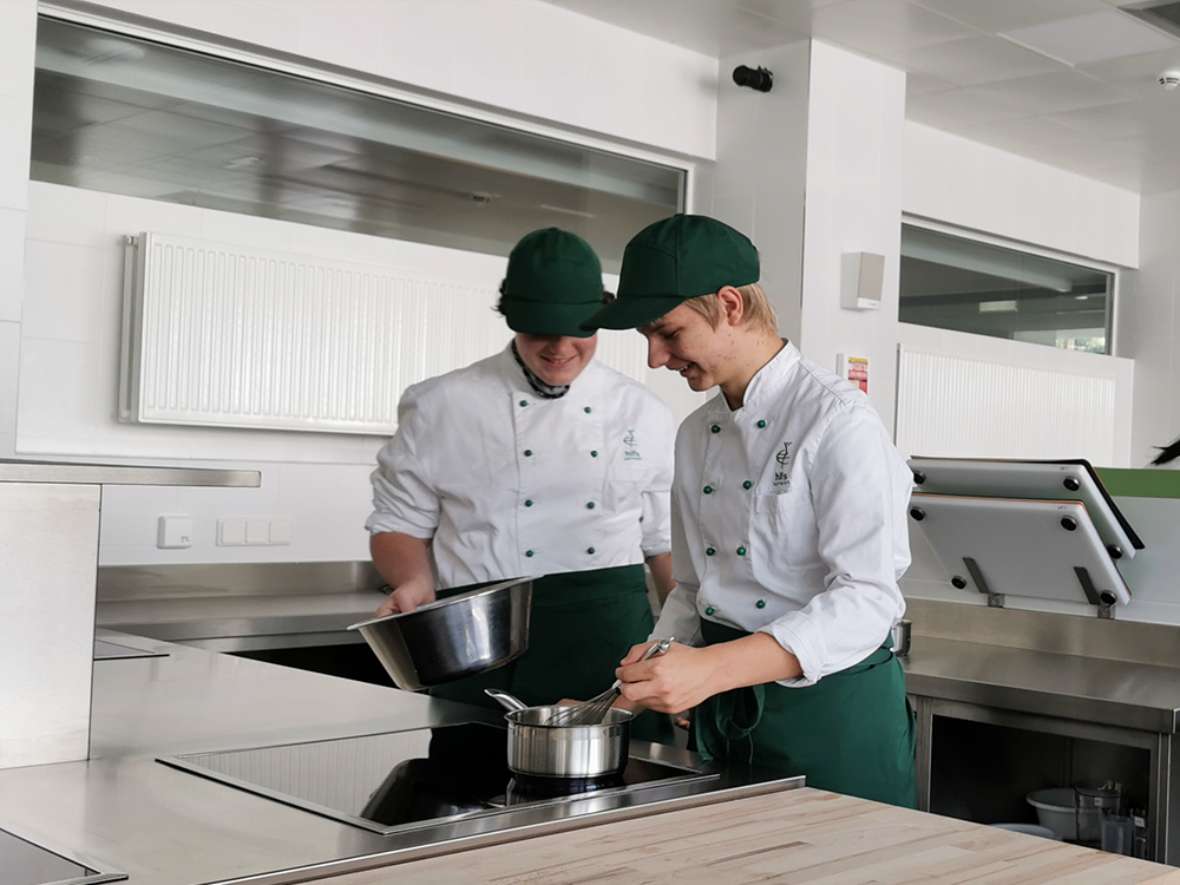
(538, 749)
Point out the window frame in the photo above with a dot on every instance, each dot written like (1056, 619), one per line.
(989, 239)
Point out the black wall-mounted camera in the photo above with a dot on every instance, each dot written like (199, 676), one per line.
(756, 78)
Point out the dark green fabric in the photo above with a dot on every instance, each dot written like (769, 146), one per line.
(852, 732)
(553, 284)
(1144, 483)
(583, 623)
(673, 260)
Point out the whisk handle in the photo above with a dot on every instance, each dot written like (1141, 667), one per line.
(656, 648)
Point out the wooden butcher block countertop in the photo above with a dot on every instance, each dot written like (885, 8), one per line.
(800, 835)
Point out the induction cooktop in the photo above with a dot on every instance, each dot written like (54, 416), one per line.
(403, 780)
(24, 863)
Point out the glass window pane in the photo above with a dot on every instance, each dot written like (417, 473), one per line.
(955, 283)
(117, 114)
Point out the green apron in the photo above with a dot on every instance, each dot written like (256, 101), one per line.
(852, 732)
(582, 625)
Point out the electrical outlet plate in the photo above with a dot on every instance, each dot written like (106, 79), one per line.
(174, 532)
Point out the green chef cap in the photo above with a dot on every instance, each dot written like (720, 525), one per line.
(553, 285)
(673, 260)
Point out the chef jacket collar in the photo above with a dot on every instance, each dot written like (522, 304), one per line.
(767, 383)
(588, 382)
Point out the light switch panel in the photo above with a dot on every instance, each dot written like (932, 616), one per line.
(174, 532)
(257, 531)
(231, 532)
(280, 530)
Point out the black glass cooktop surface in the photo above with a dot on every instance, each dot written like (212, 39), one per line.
(406, 779)
(23, 863)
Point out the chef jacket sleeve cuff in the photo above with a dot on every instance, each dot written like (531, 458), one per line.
(794, 641)
(657, 522)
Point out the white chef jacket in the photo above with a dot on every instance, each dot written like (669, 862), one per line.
(789, 518)
(506, 483)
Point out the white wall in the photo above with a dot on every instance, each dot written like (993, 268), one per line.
(962, 182)
(522, 56)
(974, 396)
(856, 116)
(758, 182)
(1149, 328)
(18, 23)
(69, 368)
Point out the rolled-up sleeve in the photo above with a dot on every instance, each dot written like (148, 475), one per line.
(657, 497)
(404, 499)
(859, 500)
(679, 618)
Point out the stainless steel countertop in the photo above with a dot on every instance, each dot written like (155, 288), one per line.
(124, 474)
(1120, 693)
(128, 812)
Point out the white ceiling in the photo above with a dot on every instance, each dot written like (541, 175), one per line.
(1068, 82)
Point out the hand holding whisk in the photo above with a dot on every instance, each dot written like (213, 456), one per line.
(593, 711)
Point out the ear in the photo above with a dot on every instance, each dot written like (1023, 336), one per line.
(733, 308)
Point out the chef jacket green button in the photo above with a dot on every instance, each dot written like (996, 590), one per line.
(528, 553)
(523, 403)
(709, 551)
(528, 502)
(590, 550)
(528, 453)
(594, 453)
(761, 423)
(587, 410)
(761, 603)
(716, 428)
(747, 485)
(589, 505)
(708, 490)
(709, 610)
(741, 551)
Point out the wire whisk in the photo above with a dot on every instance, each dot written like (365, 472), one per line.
(593, 711)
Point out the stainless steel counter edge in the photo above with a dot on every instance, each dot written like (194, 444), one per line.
(516, 834)
(1133, 696)
(117, 474)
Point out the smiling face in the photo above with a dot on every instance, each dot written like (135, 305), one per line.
(555, 359)
(685, 341)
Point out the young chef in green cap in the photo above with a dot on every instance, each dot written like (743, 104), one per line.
(535, 461)
(788, 531)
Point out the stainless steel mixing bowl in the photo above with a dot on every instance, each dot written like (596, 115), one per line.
(453, 637)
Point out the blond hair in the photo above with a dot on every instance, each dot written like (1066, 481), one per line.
(756, 308)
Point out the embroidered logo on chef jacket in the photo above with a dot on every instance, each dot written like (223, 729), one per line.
(782, 476)
(630, 452)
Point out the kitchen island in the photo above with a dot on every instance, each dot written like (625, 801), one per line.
(126, 812)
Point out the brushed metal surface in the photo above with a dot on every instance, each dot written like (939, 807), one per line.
(1084, 689)
(453, 637)
(1134, 642)
(198, 830)
(125, 474)
(129, 582)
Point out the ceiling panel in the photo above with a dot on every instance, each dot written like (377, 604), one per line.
(994, 16)
(974, 60)
(892, 30)
(1092, 37)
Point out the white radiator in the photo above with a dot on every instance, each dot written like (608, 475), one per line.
(221, 335)
(1013, 403)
